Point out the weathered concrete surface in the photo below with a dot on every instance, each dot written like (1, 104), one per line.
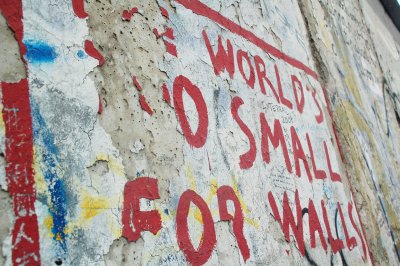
(12, 66)
(139, 110)
(359, 49)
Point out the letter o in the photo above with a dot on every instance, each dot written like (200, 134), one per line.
(208, 238)
(199, 138)
(252, 78)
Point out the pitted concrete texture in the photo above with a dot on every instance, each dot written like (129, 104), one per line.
(12, 66)
(199, 132)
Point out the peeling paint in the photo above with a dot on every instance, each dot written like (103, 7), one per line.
(198, 132)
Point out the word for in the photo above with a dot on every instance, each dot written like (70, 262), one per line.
(136, 221)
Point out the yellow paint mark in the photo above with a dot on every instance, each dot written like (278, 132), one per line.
(90, 205)
(40, 183)
(2, 125)
(115, 167)
(102, 157)
(164, 217)
(213, 190)
(351, 83)
(193, 186)
(391, 213)
(325, 37)
(190, 175)
(236, 189)
(211, 195)
(58, 237)
(355, 121)
(48, 223)
(93, 206)
(253, 222)
(349, 79)
(116, 230)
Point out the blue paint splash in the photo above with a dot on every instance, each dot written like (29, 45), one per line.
(39, 52)
(56, 187)
(81, 54)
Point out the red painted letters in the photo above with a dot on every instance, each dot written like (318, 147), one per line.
(199, 138)
(276, 138)
(288, 219)
(299, 98)
(251, 79)
(298, 154)
(226, 193)
(134, 220)
(223, 59)
(315, 226)
(208, 240)
(246, 159)
(336, 244)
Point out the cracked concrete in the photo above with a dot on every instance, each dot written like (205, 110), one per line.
(356, 30)
(98, 128)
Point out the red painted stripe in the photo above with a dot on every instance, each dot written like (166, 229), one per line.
(93, 52)
(158, 35)
(169, 33)
(171, 48)
(79, 8)
(203, 10)
(166, 95)
(145, 106)
(126, 15)
(164, 12)
(134, 10)
(19, 152)
(100, 108)
(137, 84)
(19, 172)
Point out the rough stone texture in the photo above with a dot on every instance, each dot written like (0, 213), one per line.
(117, 153)
(6, 223)
(12, 67)
(358, 47)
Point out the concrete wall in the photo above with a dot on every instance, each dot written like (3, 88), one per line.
(199, 132)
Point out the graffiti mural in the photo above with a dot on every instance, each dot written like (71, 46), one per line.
(174, 132)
